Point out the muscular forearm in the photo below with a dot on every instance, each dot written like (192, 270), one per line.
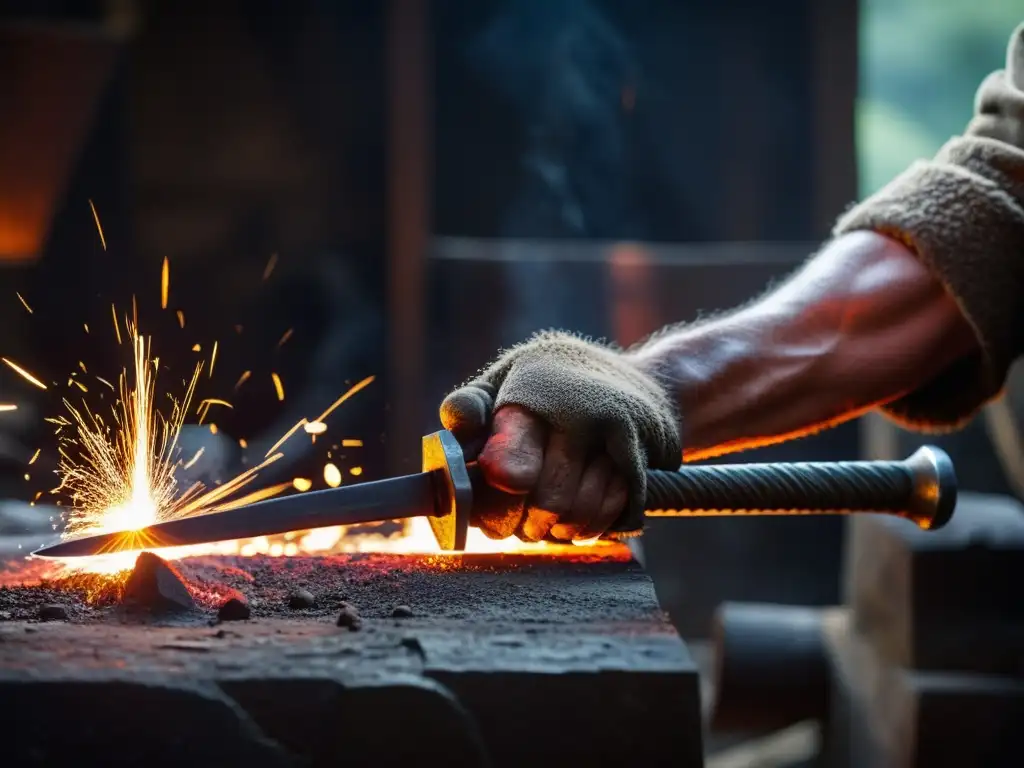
(860, 325)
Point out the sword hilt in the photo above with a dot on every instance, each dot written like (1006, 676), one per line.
(922, 488)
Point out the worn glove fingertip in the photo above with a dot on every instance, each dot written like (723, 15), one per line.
(466, 412)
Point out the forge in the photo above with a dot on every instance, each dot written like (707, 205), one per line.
(477, 659)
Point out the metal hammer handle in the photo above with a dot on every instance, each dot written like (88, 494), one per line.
(921, 488)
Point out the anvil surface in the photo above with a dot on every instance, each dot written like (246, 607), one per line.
(513, 660)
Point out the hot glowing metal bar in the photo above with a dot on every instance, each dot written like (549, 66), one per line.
(393, 499)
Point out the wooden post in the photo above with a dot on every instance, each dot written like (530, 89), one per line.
(409, 64)
(834, 25)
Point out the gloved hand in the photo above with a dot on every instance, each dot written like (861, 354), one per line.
(570, 427)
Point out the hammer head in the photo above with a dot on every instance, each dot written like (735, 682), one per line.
(453, 490)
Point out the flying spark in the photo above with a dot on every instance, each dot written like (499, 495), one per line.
(332, 475)
(355, 388)
(23, 302)
(4, 407)
(287, 335)
(242, 379)
(181, 318)
(23, 373)
(118, 462)
(122, 478)
(99, 227)
(165, 283)
(117, 328)
(269, 269)
(191, 462)
(213, 358)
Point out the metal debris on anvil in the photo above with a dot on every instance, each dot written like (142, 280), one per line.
(234, 609)
(300, 599)
(155, 586)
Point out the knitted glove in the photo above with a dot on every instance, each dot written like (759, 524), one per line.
(962, 213)
(583, 388)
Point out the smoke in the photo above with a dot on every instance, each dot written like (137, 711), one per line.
(565, 69)
(567, 72)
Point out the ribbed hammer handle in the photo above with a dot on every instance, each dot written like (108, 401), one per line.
(921, 488)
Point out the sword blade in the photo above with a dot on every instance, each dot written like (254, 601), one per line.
(393, 499)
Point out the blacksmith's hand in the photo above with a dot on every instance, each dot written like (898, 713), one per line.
(569, 427)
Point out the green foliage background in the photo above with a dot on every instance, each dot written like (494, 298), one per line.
(921, 62)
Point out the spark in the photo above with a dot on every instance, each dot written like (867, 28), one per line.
(315, 428)
(352, 390)
(4, 407)
(196, 348)
(213, 429)
(191, 462)
(213, 358)
(23, 302)
(284, 438)
(35, 456)
(215, 401)
(86, 326)
(123, 478)
(302, 484)
(181, 318)
(355, 471)
(101, 380)
(99, 227)
(351, 443)
(165, 283)
(80, 385)
(268, 270)
(242, 443)
(117, 328)
(242, 379)
(279, 387)
(332, 475)
(23, 373)
(287, 335)
(82, 366)
(254, 496)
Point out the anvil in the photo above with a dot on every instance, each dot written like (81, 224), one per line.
(921, 488)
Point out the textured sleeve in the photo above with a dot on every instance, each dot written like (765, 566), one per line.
(962, 213)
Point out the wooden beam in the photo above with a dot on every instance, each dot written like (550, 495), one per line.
(409, 64)
(836, 55)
